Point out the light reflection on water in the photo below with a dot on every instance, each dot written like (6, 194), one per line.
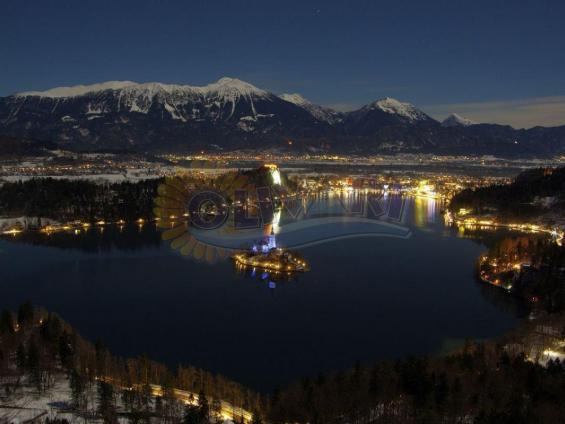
(425, 212)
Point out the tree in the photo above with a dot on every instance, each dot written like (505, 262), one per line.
(159, 405)
(191, 415)
(216, 409)
(256, 418)
(106, 404)
(66, 350)
(441, 390)
(21, 358)
(33, 364)
(78, 386)
(374, 383)
(101, 358)
(51, 329)
(145, 396)
(203, 407)
(414, 378)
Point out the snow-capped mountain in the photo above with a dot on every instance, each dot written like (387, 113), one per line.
(395, 107)
(322, 113)
(231, 114)
(78, 90)
(121, 114)
(220, 99)
(390, 119)
(455, 120)
(225, 87)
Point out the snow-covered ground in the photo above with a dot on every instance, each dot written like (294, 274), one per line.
(26, 404)
(97, 178)
(24, 222)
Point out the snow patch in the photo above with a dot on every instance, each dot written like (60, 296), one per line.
(174, 113)
(319, 112)
(135, 108)
(94, 110)
(245, 126)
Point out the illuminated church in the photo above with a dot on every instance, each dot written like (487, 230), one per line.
(267, 244)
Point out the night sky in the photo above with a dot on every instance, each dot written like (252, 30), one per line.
(494, 61)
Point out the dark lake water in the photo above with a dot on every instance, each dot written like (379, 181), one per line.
(365, 298)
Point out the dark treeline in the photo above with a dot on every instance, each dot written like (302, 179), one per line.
(36, 345)
(67, 200)
(518, 198)
(481, 384)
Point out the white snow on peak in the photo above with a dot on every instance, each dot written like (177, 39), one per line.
(228, 85)
(319, 112)
(140, 97)
(295, 98)
(395, 107)
(454, 120)
(78, 90)
(224, 87)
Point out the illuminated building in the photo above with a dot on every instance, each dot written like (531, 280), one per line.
(265, 255)
(274, 173)
(271, 240)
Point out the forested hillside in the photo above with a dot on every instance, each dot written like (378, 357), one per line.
(66, 200)
(37, 346)
(531, 193)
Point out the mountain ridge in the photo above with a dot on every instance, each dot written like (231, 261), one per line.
(79, 90)
(231, 113)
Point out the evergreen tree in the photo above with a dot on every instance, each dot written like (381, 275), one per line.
(21, 358)
(101, 357)
(374, 383)
(51, 329)
(106, 404)
(145, 396)
(256, 418)
(441, 390)
(78, 386)
(159, 405)
(216, 409)
(203, 407)
(33, 364)
(66, 350)
(191, 415)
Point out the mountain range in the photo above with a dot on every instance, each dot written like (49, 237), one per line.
(233, 114)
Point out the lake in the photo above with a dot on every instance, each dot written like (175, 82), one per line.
(366, 297)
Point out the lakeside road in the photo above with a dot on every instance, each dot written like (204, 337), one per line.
(228, 411)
